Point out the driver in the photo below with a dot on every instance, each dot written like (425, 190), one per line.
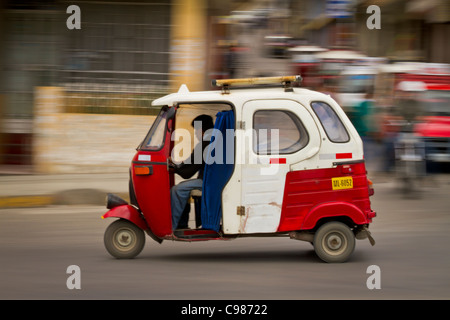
(180, 193)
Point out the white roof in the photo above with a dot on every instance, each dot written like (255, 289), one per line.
(417, 67)
(340, 55)
(413, 86)
(312, 49)
(355, 70)
(396, 68)
(238, 96)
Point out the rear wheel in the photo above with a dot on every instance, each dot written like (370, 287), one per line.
(334, 242)
(124, 240)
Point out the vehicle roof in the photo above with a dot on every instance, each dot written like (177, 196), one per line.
(416, 67)
(238, 96)
(311, 49)
(340, 55)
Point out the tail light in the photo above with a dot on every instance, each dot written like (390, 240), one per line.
(370, 185)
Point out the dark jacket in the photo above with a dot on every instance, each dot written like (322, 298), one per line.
(189, 167)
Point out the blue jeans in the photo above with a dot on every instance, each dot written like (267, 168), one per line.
(179, 196)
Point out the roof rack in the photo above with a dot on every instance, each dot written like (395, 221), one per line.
(285, 81)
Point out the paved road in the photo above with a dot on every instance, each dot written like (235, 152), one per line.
(37, 245)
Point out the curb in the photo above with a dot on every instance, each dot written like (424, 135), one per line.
(66, 197)
(26, 201)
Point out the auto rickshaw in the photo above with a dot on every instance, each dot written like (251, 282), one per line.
(282, 161)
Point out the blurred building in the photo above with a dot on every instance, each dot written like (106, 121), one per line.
(125, 54)
(121, 48)
(129, 52)
(413, 30)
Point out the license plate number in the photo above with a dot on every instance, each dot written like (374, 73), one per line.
(342, 183)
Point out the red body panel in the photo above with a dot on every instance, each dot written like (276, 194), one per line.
(434, 127)
(429, 79)
(333, 209)
(153, 191)
(129, 213)
(309, 196)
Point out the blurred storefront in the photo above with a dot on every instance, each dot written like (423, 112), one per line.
(30, 56)
(124, 55)
(128, 53)
(411, 30)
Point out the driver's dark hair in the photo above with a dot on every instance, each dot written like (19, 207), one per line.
(207, 121)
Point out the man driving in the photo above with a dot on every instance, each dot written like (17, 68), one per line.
(180, 193)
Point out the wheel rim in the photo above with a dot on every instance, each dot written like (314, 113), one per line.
(124, 239)
(334, 243)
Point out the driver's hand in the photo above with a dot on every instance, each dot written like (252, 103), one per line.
(171, 164)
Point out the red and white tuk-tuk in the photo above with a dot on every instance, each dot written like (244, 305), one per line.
(286, 161)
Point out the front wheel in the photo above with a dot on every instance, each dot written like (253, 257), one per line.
(124, 240)
(334, 242)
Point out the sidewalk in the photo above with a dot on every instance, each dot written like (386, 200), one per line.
(33, 190)
(37, 190)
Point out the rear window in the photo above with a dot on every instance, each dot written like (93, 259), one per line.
(291, 136)
(330, 121)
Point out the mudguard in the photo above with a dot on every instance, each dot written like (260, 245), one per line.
(129, 213)
(334, 209)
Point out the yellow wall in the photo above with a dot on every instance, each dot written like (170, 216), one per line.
(188, 44)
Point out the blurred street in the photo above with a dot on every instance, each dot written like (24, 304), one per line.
(38, 244)
(76, 95)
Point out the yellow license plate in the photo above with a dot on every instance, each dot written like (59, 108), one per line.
(342, 183)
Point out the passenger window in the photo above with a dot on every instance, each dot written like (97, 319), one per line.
(331, 123)
(292, 135)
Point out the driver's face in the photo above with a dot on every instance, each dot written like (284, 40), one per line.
(198, 133)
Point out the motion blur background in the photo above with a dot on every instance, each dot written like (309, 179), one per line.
(73, 99)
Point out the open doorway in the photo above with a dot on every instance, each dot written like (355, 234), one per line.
(210, 144)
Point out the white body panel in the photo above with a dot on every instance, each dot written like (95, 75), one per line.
(263, 182)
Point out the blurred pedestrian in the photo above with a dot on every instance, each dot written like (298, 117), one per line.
(363, 111)
(408, 106)
(363, 122)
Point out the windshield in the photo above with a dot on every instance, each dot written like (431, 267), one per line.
(155, 137)
(437, 103)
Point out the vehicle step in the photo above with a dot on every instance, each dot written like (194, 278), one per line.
(196, 234)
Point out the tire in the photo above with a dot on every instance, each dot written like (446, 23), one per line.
(334, 242)
(124, 240)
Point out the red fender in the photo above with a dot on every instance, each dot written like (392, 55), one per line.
(129, 213)
(334, 209)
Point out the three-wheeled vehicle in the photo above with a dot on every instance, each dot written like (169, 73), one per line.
(282, 161)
